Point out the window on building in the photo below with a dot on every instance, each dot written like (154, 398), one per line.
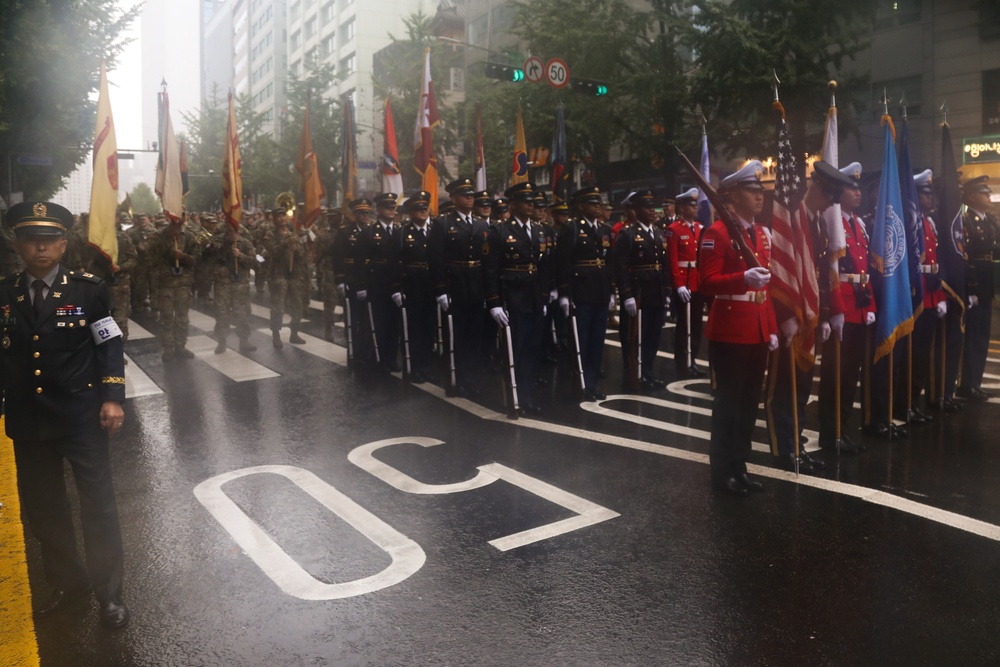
(909, 89)
(457, 81)
(347, 32)
(327, 45)
(326, 14)
(295, 11)
(310, 28)
(296, 68)
(478, 29)
(503, 17)
(894, 13)
(311, 56)
(348, 3)
(296, 41)
(270, 90)
(347, 65)
(310, 3)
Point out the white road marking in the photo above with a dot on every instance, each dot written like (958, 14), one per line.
(200, 320)
(231, 364)
(407, 556)
(318, 348)
(137, 383)
(137, 332)
(362, 457)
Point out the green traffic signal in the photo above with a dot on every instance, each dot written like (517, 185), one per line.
(518, 75)
(504, 72)
(602, 90)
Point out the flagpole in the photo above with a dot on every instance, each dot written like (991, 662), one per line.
(795, 406)
(836, 386)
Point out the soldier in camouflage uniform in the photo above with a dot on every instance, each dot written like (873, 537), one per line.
(119, 277)
(286, 266)
(174, 252)
(204, 270)
(139, 234)
(324, 269)
(233, 257)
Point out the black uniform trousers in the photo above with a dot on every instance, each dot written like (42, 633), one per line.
(978, 323)
(385, 318)
(877, 412)
(591, 326)
(739, 372)
(42, 487)
(526, 330)
(852, 362)
(954, 342)
(421, 325)
(924, 355)
(680, 308)
(467, 320)
(361, 336)
(780, 418)
(653, 318)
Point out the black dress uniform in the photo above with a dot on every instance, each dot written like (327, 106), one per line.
(55, 377)
(980, 247)
(517, 280)
(584, 277)
(457, 248)
(413, 283)
(351, 276)
(642, 273)
(381, 247)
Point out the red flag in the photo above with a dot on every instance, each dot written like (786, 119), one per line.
(308, 168)
(232, 173)
(424, 159)
(480, 153)
(392, 179)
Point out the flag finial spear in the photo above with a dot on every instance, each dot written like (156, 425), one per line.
(832, 87)
(944, 112)
(885, 102)
(902, 103)
(777, 82)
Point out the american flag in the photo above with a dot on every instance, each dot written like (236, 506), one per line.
(793, 268)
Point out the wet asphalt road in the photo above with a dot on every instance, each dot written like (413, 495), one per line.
(656, 569)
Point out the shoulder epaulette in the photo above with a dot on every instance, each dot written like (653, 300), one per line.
(84, 275)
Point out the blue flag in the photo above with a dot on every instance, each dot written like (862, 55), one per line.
(951, 233)
(704, 207)
(914, 221)
(889, 256)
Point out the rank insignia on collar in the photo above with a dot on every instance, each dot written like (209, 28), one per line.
(20, 298)
(65, 280)
(6, 342)
(57, 295)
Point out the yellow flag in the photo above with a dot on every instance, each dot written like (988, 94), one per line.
(232, 173)
(308, 167)
(519, 169)
(104, 187)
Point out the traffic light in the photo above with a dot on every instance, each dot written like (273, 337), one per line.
(504, 72)
(589, 87)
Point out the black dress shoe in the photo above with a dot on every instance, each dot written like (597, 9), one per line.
(732, 487)
(696, 372)
(752, 485)
(593, 395)
(542, 382)
(980, 394)
(57, 599)
(114, 615)
(952, 405)
(926, 416)
(914, 416)
(806, 466)
(416, 377)
(812, 461)
(656, 383)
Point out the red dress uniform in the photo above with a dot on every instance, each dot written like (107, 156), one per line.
(926, 354)
(682, 250)
(737, 315)
(682, 254)
(853, 272)
(933, 294)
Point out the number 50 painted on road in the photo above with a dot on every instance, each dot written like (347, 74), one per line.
(406, 555)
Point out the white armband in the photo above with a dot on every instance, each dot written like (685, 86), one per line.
(104, 330)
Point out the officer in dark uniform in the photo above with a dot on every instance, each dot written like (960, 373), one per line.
(981, 247)
(517, 288)
(499, 210)
(585, 282)
(351, 276)
(381, 247)
(457, 247)
(413, 290)
(643, 279)
(483, 206)
(62, 373)
(859, 315)
(682, 253)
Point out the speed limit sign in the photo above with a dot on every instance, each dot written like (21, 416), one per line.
(557, 73)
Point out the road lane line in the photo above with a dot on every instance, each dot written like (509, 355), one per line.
(231, 364)
(319, 348)
(18, 645)
(137, 383)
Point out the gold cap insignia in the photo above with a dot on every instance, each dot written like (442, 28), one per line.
(759, 173)
(857, 173)
(39, 210)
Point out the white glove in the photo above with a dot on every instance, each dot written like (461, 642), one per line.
(611, 303)
(837, 325)
(564, 304)
(973, 301)
(397, 299)
(757, 277)
(362, 295)
(342, 290)
(869, 319)
(553, 295)
(823, 332)
(499, 316)
(630, 307)
(789, 328)
(942, 308)
(545, 311)
(684, 293)
(772, 343)
(443, 302)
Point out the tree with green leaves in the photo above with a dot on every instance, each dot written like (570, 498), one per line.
(144, 200)
(49, 65)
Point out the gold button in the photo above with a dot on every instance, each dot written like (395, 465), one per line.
(90, 386)
(35, 337)
(70, 325)
(37, 372)
(38, 391)
(37, 354)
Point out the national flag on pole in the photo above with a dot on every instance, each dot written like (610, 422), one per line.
(560, 158)
(104, 187)
(232, 173)
(793, 266)
(348, 157)
(519, 169)
(480, 153)
(836, 241)
(912, 219)
(169, 185)
(424, 159)
(185, 185)
(704, 206)
(307, 165)
(950, 231)
(392, 179)
(888, 255)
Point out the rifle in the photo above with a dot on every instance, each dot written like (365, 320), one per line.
(735, 232)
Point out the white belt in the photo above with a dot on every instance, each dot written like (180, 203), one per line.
(758, 297)
(928, 268)
(688, 265)
(859, 278)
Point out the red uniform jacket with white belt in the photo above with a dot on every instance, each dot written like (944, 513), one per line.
(737, 315)
(855, 290)
(933, 294)
(682, 252)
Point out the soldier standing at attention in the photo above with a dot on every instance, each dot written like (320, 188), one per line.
(351, 276)
(483, 206)
(286, 262)
(413, 289)
(381, 243)
(741, 330)
(174, 252)
(324, 268)
(232, 257)
(62, 375)
(682, 253)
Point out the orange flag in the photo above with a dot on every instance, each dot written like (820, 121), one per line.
(425, 161)
(308, 168)
(232, 173)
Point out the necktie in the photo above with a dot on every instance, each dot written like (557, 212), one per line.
(36, 303)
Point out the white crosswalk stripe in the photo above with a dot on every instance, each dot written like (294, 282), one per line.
(319, 348)
(137, 332)
(231, 364)
(137, 383)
